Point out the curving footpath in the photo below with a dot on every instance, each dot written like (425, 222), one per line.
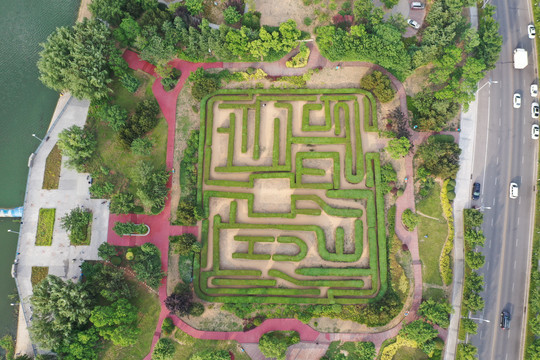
(161, 228)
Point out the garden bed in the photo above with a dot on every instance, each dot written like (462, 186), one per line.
(45, 227)
(53, 165)
(38, 274)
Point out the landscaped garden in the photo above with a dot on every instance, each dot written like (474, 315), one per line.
(53, 164)
(45, 227)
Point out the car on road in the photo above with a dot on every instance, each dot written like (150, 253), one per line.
(531, 30)
(535, 132)
(535, 110)
(534, 90)
(505, 320)
(514, 190)
(417, 5)
(517, 100)
(413, 24)
(476, 191)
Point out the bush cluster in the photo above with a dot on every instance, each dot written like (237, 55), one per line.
(445, 263)
(301, 59)
(144, 120)
(379, 84)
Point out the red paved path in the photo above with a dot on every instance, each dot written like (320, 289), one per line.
(160, 228)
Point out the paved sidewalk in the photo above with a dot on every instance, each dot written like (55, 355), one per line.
(62, 259)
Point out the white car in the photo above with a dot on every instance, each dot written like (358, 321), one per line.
(534, 90)
(535, 132)
(413, 24)
(531, 30)
(514, 190)
(535, 110)
(517, 100)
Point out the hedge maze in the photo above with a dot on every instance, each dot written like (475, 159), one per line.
(293, 211)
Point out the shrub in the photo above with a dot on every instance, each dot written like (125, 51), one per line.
(196, 309)
(398, 148)
(203, 87)
(116, 260)
(168, 326)
(144, 120)
(130, 82)
(437, 312)
(469, 325)
(122, 203)
(164, 349)
(252, 20)
(142, 146)
(451, 195)
(444, 261)
(307, 21)
(76, 223)
(211, 355)
(179, 304)
(409, 219)
(147, 266)
(379, 84)
(275, 343)
(466, 352)
(186, 213)
(101, 190)
(390, 3)
(231, 15)
(130, 256)
(182, 244)
(301, 59)
(128, 228)
(106, 251)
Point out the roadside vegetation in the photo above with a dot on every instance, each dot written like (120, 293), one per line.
(45, 227)
(53, 165)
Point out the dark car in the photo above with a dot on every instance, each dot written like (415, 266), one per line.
(476, 191)
(505, 320)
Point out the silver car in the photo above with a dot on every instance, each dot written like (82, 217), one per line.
(413, 24)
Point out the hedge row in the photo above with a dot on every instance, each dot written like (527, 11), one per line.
(445, 263)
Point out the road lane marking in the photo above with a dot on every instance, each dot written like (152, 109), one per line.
(487, 267)
(499, 141)
(515, 261)
(496, 180)
(493, 201)
(519, 202)
(490, 244)
(492, 222)
(516, 241)
(518, 218)
(513, 285)
(522, 159)
(497, 160)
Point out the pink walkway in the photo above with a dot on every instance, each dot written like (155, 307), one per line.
(160, 228)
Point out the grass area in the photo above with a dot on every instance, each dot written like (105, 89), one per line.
(52, 169)
(129, 100)
(149, 309)
(434, 293)
(45, 227)
(38, 274)
(436, 231)
(188, 346)
(407, 353)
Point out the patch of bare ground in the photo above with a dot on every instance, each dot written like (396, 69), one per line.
(173, 273)
(215, 319)
(84, 12)
(418, 80)
(213, 11)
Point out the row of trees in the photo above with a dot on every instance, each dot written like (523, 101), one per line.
(72, 318)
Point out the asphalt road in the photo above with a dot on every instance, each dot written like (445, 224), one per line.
(505, 152)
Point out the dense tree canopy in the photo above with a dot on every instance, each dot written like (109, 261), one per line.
(76, 60)
(438, 312)
(274, 344)
(440, 158)
(78, 145)
(116, 322)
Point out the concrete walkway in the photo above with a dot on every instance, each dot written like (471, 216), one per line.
(61, 258)
(160, 228)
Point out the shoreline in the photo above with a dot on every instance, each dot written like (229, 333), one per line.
(23, 342)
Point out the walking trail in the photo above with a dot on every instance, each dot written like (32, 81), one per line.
(160, 228)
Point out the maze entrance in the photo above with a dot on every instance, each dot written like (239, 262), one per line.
(292, 206)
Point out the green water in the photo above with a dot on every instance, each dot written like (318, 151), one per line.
(26, 107)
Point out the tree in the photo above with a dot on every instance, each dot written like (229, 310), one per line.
(274, 344)
(474, 259)
(211, 355)
(106, 251)
(128, 31)
(474, 283)
(142, 146)
(467, 352)
(362, 9)
(437, 312)
(147, 266)
(78, 145)
(440, 158)
(533, 351)
(117, 322)
(473, 302)
(164, 350)
(182, 244)
(398, 148)
(203, 87)
(105, 283)
(196, 309)
(418, 331)
(152, 185)
(474, 238)
(490, 39)
(195, 7)
(388, 178)
(473, 218)
(122, 203)
(231, 15)
(409, 219)
(399, 123)
(379, 84)
(116, 116)
(469, 325)
(433, 112)
(144, 120)
(76, 224)
(81, 345)
(59, 309)
(112, 11)
(73, 56)
(179, 303)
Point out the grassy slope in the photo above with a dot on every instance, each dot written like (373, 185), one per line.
(431, 247)
(149, 308)
(188, 346)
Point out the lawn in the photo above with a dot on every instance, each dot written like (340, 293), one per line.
(407, 353)
(436, 231)
(38, 274)
(149, 309)
(52, 169)
(188, 346)
(434, 293)
(129, 100)
(45, 227)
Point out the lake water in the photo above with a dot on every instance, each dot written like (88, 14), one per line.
(26, 107)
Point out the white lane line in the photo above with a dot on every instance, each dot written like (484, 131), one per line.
(516, 241)
(492, 222)
(497, 160)
(493, 201)
(519, 202)
(518, 221)
(522, 159)
(487, 267)
(499, 141)
(496, 180)
(515, 263)
(513, 284)
(490, 244)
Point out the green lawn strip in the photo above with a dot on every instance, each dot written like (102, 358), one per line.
(407, 353)
(38, 274)
(129, 100)
(45, 227)
(434, 293)
(188, 346)
(149, 308)
(53, 165)
(436, 231)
